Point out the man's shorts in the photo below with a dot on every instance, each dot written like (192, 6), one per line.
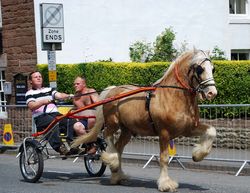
(84, 122)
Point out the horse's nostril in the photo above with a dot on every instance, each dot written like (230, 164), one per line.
(210, 95)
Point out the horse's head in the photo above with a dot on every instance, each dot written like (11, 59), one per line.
(193, 70)
(201, 75)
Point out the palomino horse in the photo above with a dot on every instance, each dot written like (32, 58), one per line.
(171, 110)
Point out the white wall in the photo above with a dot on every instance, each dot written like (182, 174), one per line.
(99, 29)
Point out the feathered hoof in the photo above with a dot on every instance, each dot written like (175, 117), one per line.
(111, 159)
(119, 178)
(199, 152)
(167, 185)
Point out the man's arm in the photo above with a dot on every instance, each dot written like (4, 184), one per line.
(33, 105)
(62, 96)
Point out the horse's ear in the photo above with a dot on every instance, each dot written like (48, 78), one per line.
(208, 52)
(195, 50)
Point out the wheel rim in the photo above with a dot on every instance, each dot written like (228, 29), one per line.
(30, 166)
(94, 163)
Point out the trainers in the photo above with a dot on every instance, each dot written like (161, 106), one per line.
(74, 151)
(63, 149)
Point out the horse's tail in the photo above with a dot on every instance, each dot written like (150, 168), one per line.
(92, 135)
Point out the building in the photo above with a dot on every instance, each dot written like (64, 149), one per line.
(102, 29)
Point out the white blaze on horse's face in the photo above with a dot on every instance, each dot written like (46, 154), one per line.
(209, 90)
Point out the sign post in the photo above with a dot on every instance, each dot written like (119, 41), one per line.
(52, 35)
(52, 68)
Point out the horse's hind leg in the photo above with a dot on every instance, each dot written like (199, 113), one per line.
(208, 134)
(119, 175)
(112, 156)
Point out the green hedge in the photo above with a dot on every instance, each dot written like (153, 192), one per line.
(232, 82)
(66, 74)
(100, 75)
(233, 85)
(232, 77)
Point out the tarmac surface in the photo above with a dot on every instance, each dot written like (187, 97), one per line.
(64, 176)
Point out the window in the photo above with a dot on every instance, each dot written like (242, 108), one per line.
(240, 54)
(3, 101)
(237, 6)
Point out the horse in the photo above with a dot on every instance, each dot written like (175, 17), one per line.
(169, 111)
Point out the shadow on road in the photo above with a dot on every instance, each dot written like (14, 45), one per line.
(105, 181)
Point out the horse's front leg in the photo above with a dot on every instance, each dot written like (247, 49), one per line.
(165, 183)
(207, 136)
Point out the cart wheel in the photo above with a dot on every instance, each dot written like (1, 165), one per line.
(32, 167)
(94, 165)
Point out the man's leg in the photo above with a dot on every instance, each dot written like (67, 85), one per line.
(79, 128)
(54, 140)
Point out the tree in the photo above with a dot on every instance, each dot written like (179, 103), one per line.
(218, 54)
(163, 46)
(140, 51)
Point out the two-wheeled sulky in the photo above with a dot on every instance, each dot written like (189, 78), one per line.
(36, 149)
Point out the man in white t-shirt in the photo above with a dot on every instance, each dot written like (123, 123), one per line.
(39, 100)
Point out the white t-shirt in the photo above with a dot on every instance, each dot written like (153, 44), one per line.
(39, 94)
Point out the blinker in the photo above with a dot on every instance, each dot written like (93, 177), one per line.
(199, 70)
(213, 70)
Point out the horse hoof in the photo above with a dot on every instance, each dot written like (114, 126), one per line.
(168, 186)
(119, 178)
(199, 153)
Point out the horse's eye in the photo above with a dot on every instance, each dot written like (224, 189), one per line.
(213, 70)
(199, 70)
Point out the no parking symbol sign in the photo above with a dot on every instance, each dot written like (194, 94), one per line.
(8, 135)
(52, 23)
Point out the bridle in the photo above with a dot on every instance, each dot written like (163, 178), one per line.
(197, 71)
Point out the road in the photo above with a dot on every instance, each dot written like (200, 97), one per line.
(64, 176)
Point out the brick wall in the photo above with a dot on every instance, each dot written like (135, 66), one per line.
(19, 38)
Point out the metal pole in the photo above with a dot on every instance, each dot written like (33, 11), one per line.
(241, 168)
(148, 161)
(52, 66)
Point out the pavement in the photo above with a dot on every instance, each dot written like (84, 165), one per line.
(231, 167)
(4, 148)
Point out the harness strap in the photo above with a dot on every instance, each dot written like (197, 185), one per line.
(204, 84)
(45, 108)
(80, 117)
(147, 106)
(178, 78)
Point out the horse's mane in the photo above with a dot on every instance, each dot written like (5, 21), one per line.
(178, 60)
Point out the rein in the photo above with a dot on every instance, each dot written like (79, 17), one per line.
(185, 87)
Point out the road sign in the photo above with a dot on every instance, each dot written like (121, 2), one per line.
(53, 84)
(52, 23)
(8, 135)
(52, 15)
(51, 60)
(52, 76)
(53, 35)
(52, 68)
